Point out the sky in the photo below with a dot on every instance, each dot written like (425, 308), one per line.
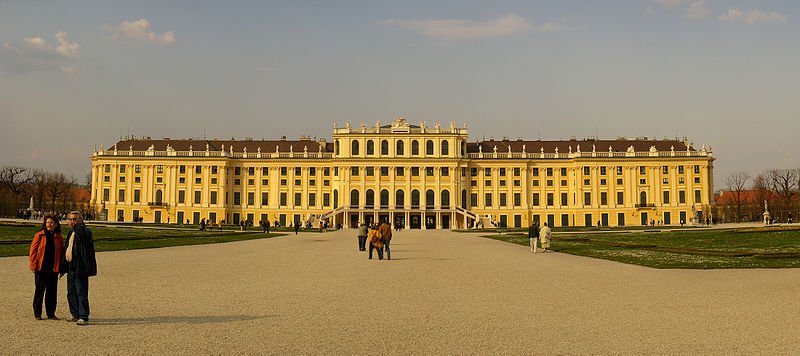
(79, 74)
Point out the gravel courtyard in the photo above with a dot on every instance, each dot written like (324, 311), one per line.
(441, 293)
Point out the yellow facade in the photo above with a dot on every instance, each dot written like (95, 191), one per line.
(412, 175)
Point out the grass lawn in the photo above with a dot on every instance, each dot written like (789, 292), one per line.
(15, 238)
(689, 249)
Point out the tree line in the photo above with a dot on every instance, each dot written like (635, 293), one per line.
(51, 191)
(779, 187)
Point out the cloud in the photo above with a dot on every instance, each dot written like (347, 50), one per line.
(752, 17)
(470, 30)
(696, 10)
(140, 30)
(37, 54)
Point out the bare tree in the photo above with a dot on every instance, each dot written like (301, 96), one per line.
(736, 184)
(783, 183)
(17, 180)
(39, 187)
(57, 186)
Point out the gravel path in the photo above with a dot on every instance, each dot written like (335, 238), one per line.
(443, 292)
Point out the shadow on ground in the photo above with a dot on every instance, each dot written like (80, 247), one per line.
(198, 319)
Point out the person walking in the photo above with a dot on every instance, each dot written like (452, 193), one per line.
(533, 235)
(545, 233)
(375, 242)
(386, 237)
(45, 263)
(296, 226)
(81, 264)
(362, 237)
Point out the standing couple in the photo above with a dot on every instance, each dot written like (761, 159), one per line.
(379, 236)
(535, 233)
(50, 258)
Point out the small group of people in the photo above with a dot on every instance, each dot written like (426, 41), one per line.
(379, 237)
(51, 257)
(537, 234)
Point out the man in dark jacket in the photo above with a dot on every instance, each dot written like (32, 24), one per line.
(80, 265)
(386, 238)
(533, 235)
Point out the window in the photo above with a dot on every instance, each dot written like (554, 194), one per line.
(298, 171)
(620, 198)
(198, 169)
(473, 171)
(370, 198)
(696, 169)
(326, 182)
(563, 182)
(399, 148)
(122, 168)
(549, 172)
(137, 169)
(326, 171)
(697, 180)
(619, 181)
(159, 169)
(237, 181)
(517, 199)
(643, 181)
(550, 199)
(473, 199)
(326, 199)
(536, 172)
(603, 181)
(198, 180)
(237, 171)
(384, 147)
(587, 198)
(284, 171)
(354, 171)
(516, 182)
(536, 183)
(264, 171)
(603, 198)
(213, 180)
(384, 171)
(535, 199)
(602, 171)
(312, 182)
(213, 199)
(487, 172)
(106, 178)
(681, 180)
(503, 183)
(516, 172)
(682, 196)
(415, 148)
(354, 148)
(502, 172)
(137, 195)
(697, 196)
(619, 169)
(473, 183)
(159, 179)
(666, 197)
(665, 170)
(237, 198)
(665, 181)
(429, 171)
(298, 182)
(429, 147)
(370, 147)
(265, 182)
(283, 199)
(283, 182)
(586, 171)
(680, 170)
(213, 169)
(264, 198)
(182, 180)
(312, 199)
(564, 199)
(399, 171)
(487, 183)
(642, 170)
(298, 199)
(181, 196)
(445, 172)
(429, 199)
(445, 199)
(354, 198)
(122, 179)
(370, 171)
(399, 199)
(106, 194)
(549, 182)
(587, 182)
(503, 199)
(487, 199)
(445, 148)
(415, 199)
(197, 194)
(121, 196)
(563, 171)
(415, 171)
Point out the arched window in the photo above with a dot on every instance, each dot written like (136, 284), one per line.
(445, 199)
(159, 196)
(464, 199)
(415, 199)
(399, 199)
(445, 148)
(384, 199)
(399, 150)
(336, 147)
(643, 198)
(429, 148)
(384, 147)
(370, 203)
(335, 199)
(354, 148)
(415, 148)
(354, 198)
(370, 147)
(429, 197)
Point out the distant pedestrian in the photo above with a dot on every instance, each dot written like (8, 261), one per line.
(203, 224)
(362, 237)
(533, 235)
(545, 233)
(296, 227)
(45, 263)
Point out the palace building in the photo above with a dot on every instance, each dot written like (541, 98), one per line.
(414, 176)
